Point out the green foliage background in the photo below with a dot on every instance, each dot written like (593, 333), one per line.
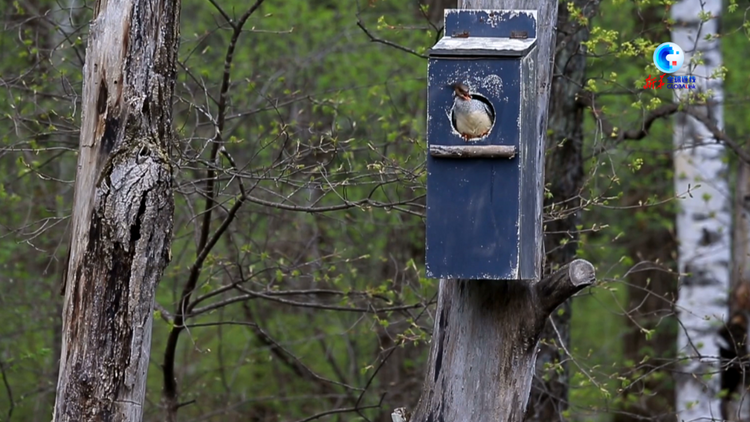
(306, 81)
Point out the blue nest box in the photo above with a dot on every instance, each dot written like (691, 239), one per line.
(484, 194)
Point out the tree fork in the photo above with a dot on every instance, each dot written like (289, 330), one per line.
(122, 212)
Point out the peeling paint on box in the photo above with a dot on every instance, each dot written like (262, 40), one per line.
(493, 84)
(490, 23)
(478, 210)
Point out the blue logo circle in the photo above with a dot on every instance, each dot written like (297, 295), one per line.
(669, 57)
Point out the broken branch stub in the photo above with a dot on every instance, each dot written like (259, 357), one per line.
(484, 345)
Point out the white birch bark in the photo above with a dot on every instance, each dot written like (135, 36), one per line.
(704, 218)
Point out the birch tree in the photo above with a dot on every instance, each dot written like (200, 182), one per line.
(123, 209)
(704, 217)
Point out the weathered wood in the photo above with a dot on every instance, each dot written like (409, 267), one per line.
(565, 178)
(484, 344)
(741, 238)
(733, 347)
(473, 151)
(122, 211)
(546, 36)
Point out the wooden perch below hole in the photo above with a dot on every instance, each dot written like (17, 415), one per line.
(473, 151)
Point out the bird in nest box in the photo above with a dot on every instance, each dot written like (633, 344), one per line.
(472, 117)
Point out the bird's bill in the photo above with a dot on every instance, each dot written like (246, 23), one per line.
(460, 92)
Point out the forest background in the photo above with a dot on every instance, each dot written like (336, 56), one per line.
(313, 299)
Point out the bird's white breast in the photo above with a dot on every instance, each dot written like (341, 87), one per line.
(473, 123)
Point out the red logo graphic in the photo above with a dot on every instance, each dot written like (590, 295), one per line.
(651, 83)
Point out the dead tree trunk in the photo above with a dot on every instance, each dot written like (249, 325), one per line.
(564, 173)
(486, 333)
(122, 212)
(484, 344)
(733, 342)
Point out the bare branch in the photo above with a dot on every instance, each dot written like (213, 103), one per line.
(345, 205)
(373, 38)
(8, 390)
(612, 132)
(204, 244)
(289, 359)
(342, 410)
(249, 294)
(223, 13)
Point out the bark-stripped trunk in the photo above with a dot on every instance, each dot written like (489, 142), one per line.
(564, 170)
(741, 238)
(122, 214)
(704, 219)
(734, 342)
(484, 346)
(741, 241)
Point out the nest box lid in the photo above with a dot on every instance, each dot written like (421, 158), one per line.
(476, 32)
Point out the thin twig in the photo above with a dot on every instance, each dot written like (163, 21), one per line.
(608, 129)
(8, 390)
(249, 294)
(289, 359)
(205, 245)
(342, 410)
(223, 13)
(345, 205)
(373, 38)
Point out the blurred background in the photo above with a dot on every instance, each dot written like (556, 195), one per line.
(315, 299)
